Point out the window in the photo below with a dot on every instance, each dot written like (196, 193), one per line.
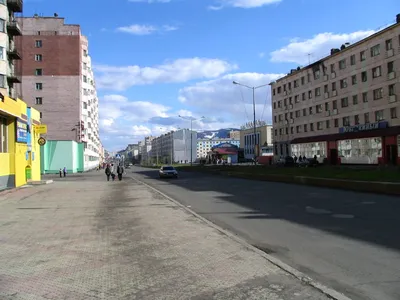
(346, 121)
(336, 121)
(391, 90)
(304, 112)
(343, 83)
(2, 25)
(378, 93)
(309, 94)
(344, 102)
(334, 104)
(2, 56)
(38, 57)
(39, 86)
(84, 64)
(85, 53)
(298, 129)
(356, 119)
(327, 124)
(332, 68)
(353, 60)
(85, 79)
(297, 113)
(38, 100)
(318, 108)
(319, 125)
(317, 92)
(303, 96)
(389, 44)
(366, 118)
(376, 72)
(363, 56)
(85, 67)
(317, 74)
(305, 128)
(333, 86)
(39, 72)
(355, 99)
(365, 97)
(296, 99)
(342, 64)
(2, 81)
(326, 88)
(364, 76)
(308, 77)
(375, 50)
(354, 79)
(38, 44)
(310, 111)
(390, 67)
(326, 106)
(393, 113)
(41, 115)
(311, 126)
(296, 83)
(379, 115)
(3, 135)
(302, 80)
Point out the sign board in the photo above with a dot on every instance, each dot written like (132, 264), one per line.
(118, 156)
(41, 129)
(364, 127)
(41, 141)
(21, 131)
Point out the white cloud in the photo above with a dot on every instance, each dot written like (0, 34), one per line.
(180, 70)
(137, 29)
(317, 47)
(220, 97)
(242, 3)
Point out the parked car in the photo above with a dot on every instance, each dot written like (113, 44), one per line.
(168, 172)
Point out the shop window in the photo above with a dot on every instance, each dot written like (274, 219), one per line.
(310, 150)
(3, 135)
(379, 116)
(360, 151)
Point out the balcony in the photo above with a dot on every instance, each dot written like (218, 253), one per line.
(15, 5)
(13, 53)
(13, 78)
(13, 28)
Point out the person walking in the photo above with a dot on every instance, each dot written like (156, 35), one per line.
(120, 171)
(108, 172)
(112, 170)
(65, 171)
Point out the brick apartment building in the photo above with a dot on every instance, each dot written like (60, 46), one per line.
(344, 108)
(57, 79)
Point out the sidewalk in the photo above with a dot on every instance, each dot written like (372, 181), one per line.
(92, 239)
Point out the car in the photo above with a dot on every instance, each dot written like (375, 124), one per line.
(168, 172)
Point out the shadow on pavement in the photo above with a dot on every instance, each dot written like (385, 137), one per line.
(366, 217)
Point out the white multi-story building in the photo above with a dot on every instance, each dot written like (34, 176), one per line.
(204, 146)
(10, 72)
(145, 150)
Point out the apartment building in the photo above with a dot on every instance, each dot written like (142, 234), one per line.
(253, 144)
(58, 80)
(10, 49)
(204, 146)
(145, 150)
(343, 108)
(174, 147)
(234, 134)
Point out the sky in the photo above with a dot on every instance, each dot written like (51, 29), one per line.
(157, 60)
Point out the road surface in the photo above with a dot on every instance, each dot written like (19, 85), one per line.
(348, 241)
(84, 238)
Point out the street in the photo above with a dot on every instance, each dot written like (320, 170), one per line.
(346, 240)
(82, 237)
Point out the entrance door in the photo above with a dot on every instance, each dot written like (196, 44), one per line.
(391, 154)
(334, 156)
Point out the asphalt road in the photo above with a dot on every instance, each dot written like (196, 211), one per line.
(346, 240)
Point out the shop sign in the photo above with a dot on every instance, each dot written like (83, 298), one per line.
(42, 141)
(364, 127)
(21, 131)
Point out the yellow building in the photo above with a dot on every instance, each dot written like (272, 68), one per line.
(19, 150)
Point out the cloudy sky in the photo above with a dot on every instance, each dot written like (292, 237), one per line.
(157, 59)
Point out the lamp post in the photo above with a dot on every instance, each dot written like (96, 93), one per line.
(253, 88)
(191, 119)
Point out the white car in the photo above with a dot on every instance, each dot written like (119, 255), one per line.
(168, 172)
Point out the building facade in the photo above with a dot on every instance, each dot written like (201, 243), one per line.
(145, 151)
(58, 80)
(345, 107)
(174, 147)
(251, 143)
(204, 146)
(10, 48)
(234, 134)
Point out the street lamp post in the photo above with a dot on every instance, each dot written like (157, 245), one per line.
(253, 88)
(191, 119)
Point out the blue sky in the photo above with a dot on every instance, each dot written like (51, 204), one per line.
(155, 60)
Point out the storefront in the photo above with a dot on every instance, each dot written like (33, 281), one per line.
(226, 152)
(373, 143)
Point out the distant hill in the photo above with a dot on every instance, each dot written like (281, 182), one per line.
(219, 134)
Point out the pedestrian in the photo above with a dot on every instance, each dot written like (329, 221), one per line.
(112, 170)
(108, 172)
(65, 171)
(120, 171)
(60, 172)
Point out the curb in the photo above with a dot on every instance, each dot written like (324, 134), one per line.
(331, 293)
(388, 188)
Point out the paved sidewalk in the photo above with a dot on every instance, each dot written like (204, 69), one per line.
(92, 239)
